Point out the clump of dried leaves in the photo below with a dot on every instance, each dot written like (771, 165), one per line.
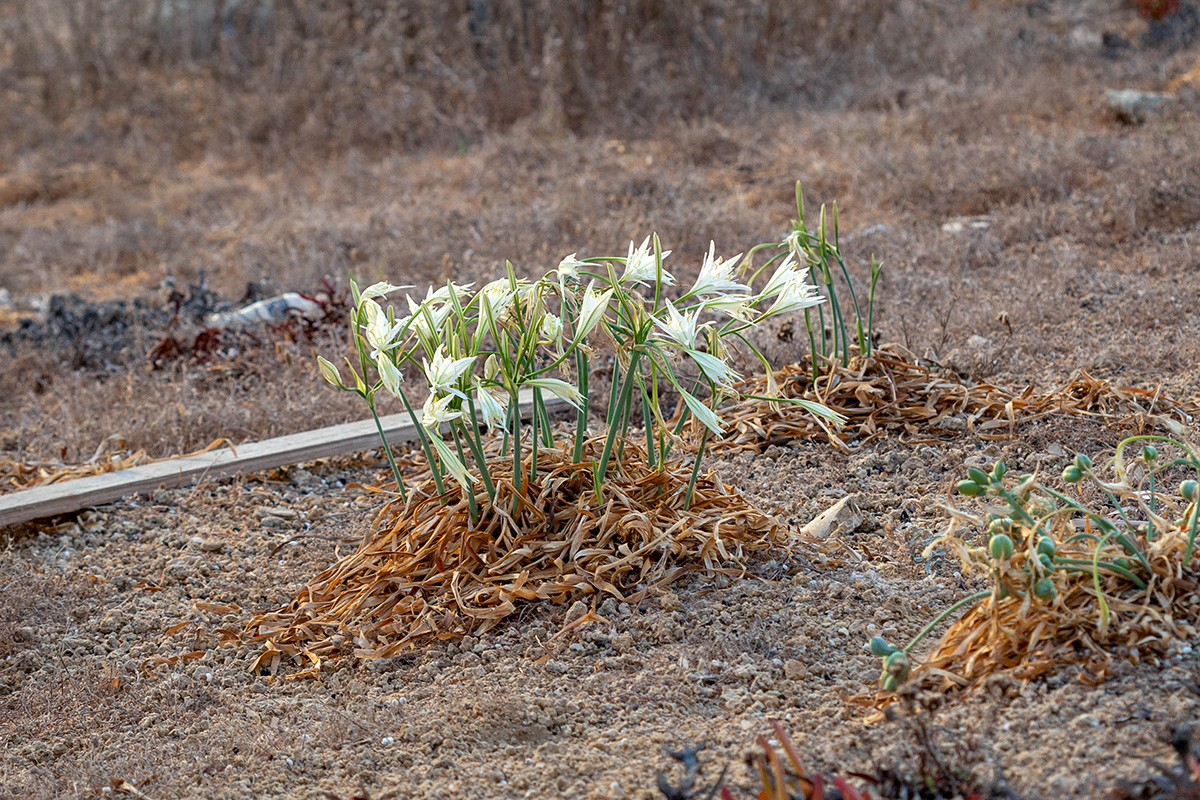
(427, 573)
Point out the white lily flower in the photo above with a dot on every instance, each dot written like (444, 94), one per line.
(741, 308)
(708, 418)
(445, 371)
(381, 289)
(592, 308)
(715, 369)
(389, 374)
(639, 265)
(442, 293)
(329, 372)
(558, 388)
(437, 410)
(379, 333)
(716, 274)
(568, 268)
(552, 329)
(786, 273)
(493, 411)
(679, 328)
(495, 300)
(795, 295)
(451, 463)
(792, 240)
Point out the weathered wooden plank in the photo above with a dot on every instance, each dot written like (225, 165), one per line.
(94, 490)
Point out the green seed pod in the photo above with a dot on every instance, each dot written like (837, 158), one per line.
(1046, 561)
(1046, 547)
(1072, 474)
(1045, 589)
(996, 527)
(882, 647)
(889, 682)
(998, 471)
(897, 664)
(1122, 562)
(1083, 461)
(1189, 490)
(1149, 454)
(1001, 547)
(978, 476)
(969, 488)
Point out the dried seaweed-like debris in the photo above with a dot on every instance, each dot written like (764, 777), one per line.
(428, 574)
(892, 391)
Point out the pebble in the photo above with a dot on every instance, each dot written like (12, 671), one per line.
(281, 512)
(212, 545)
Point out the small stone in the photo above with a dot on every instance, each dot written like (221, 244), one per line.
(669, 601)
(1132, 106)
(274, 522)
(304, 479)
(577, 610)
(161, 497)
(623, 642)
(609, 607)
(112, 622)
(212, 545)
(794, 670)
(281, 512)
(557, 667)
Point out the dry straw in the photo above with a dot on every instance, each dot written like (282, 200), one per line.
(428, 574)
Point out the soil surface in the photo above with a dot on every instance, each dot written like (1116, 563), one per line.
(1029, 230)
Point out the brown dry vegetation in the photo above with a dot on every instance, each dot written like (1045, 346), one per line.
(286, 142)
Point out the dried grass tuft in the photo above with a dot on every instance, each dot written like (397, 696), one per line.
(891, 391)
(426, 574)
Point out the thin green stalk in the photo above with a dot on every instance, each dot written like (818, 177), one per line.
(547, 428)
(388, 450)
(515, 414)
(477, 453)
(533, 440)
(687, 499)
(434, 469)
(615, 415)
(581, 416)
(468, 490)
(648, 423)
(974, 598)
(1088, 566)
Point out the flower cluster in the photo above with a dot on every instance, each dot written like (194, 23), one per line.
(478, 353)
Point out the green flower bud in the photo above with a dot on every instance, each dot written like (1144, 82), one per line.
(1001, 547)
(969, 488)
(897, 664)
(882, 647)
(978, 476)
(1072, 474)
(1083, 461)
(998, 471)
(1149, 454)
(889, 682)
(996, 527)
(1189, 490)
(1046, 547)
(1046, 561)
(1045, 589)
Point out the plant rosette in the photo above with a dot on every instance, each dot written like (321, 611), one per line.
(494, 477)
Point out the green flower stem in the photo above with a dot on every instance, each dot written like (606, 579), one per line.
(687, 500)
(388, 450)
(434, 467)
(533, 439)
(473, 441)
(581, 417)
(648, 423)
(970, 599)
(1084, 565)
(515, 413)
(468, 490)
(615, 416)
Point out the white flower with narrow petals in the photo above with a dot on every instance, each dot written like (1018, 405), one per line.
(380, 289)
(451, 462)
(785, 273)
(592, 308)
(716, 274)
(679, 328)
(437, 410)
(552, 329)
(493, 411)
(640, 265)
(714, 368)
(379, 333)
(568, 268)
(795, 294)
(708, 418)
(495, 301)
(443, 372)
(558, 388)
(389, 375)
(741, 308)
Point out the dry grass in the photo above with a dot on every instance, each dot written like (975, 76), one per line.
(892, 391)
(428, 574)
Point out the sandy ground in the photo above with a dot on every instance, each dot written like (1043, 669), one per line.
(109, 622)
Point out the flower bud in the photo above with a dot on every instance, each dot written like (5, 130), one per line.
(1046, 547)
(1046, 561)
(1045, 589)
(978, 476)
(1149, 454)
(1072, 474)
(1189, 490)
(889, 682)
(969, 488)
(882, 647)
(998, 471)
(1083, 462)
(1001, 547)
